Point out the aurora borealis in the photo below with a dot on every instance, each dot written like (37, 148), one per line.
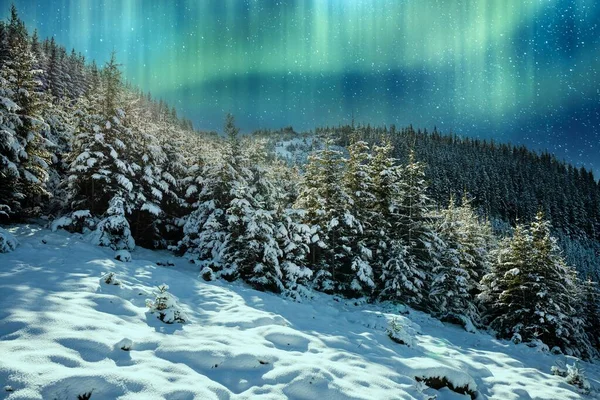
(525, 71)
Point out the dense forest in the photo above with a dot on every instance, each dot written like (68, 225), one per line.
(393, 216)
(505, 183)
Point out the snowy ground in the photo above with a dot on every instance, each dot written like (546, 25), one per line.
(61, 333)
(295, 150)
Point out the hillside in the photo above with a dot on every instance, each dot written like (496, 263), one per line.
(62, 328)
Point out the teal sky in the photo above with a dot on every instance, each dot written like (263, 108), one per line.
(524, 71)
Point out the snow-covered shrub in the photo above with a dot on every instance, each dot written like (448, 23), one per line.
(516, 338)
(113, 231)
(207, 274)
(398, 334)
(123, 255)
(8, 242)
(84, 396)
(574, 375)
(78, 221)
(165, 305)
(110, 279)
(461, 384)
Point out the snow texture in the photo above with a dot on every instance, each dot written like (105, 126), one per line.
(65, 332)
(123, 255)
(8, 242)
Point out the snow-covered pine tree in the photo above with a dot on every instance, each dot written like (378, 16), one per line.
(416, 228)
(22, 125)
(328, 212)
(452, 276)
(589, 310)
(358, 183)
(292, 235)
(40, 58)
(477, 242)
(531, 291)
(254, 251)
(56, 76)
(102, 166)
(293, 238)
(503, 295)
(555, 285)
(208, 230)
(172, 174)
(3, 43)
(113, 230)
(11, 149)
(147, 159)
(62, 123)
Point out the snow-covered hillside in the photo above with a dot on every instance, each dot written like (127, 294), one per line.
(64, 332)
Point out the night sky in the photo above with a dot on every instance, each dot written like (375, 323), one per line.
(524, 71)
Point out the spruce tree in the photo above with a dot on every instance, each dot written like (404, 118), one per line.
(533, 293)
(358, 182)
(590, 310)
(454, 273)
(102, 167)
(209, 230)
(26, 174)
(416, 228)
(328, 212)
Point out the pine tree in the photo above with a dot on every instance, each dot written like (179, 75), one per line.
(454, 273)
(113, 231)
(503, 293)
(209, 230)
(590, 310)
(57, 77)
(101, 167)
(333, 225)
(533, 293)
(26, 174)
(4, 52)
(358, 182)
(252, 218)
(416, 229)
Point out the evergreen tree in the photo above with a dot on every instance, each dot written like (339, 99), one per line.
(452, 277)
(4, 55)
(333, 225)
(102, 156)
(25, 158)
(416, 229)
(57, 77)
(208, 230)
(358, 182)
(533, 293)
(503, 287)
(590, 310)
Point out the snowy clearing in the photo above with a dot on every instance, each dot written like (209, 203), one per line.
(66, 330)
